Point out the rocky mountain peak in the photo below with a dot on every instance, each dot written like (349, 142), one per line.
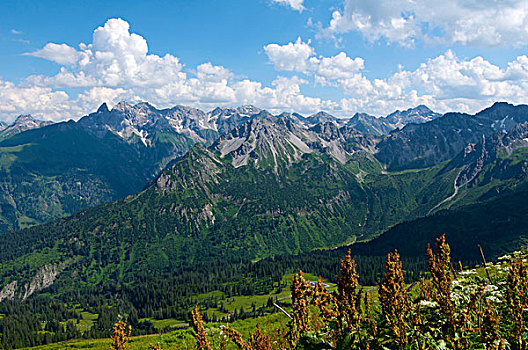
(103, 108)
(321, 117)
(417, 115)
(122, 106)
(23, 123)
(248, 110)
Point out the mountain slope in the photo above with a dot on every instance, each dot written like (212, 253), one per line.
(369, 124)
(270, 186)
(499, 226)
(60, 169)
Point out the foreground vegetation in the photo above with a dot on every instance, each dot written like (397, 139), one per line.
(451, 310)
(480, 308)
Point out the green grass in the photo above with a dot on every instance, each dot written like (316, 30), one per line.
(246, 302)
(8, 156)
(180, 339)
(24, 221)
(166, 323)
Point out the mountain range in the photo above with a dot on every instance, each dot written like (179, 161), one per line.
(268, 185)
(109, 154)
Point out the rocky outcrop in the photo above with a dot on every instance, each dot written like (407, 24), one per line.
(44, 278)
(8, 292)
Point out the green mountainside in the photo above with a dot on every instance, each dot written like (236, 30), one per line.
(57, 170)
(270, 186)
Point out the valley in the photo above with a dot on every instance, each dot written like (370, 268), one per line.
(150, 211)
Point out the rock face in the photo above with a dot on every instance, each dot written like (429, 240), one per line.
(22, 123)
(8, 292)
(42, 279)
(268, 141)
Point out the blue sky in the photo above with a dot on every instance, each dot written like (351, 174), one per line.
(61, 59)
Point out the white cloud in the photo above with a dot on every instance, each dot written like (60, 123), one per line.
(339, 66)
(301, 57)
(483, 22)
(16, 32)
(294, 4)
(58, 53)
(445, 82)
(14, 100)
(290, 57)
(285, 96)
(115, 58)
(117, 66)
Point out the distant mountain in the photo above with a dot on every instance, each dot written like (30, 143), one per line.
(148, 139)
(320, 117)
(270, 186)
(430, 143)
(3, 125)
(273, 142)
(417, 115)
(370, 125)
(396, 120)
(21, 123)
(144, 123)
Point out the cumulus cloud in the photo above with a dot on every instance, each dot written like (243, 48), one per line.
(284, 96)
(301, 57)
(44, 101)
(117, 66)
(115, 58)
(445, 82)
(484, 22)
(338, 66)
(290, 57)
(294, 4)
(58, 53)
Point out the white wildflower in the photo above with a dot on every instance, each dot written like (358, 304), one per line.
(428, 304)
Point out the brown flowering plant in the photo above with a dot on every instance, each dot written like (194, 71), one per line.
(120, 336)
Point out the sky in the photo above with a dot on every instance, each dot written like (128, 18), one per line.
(61, 59)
